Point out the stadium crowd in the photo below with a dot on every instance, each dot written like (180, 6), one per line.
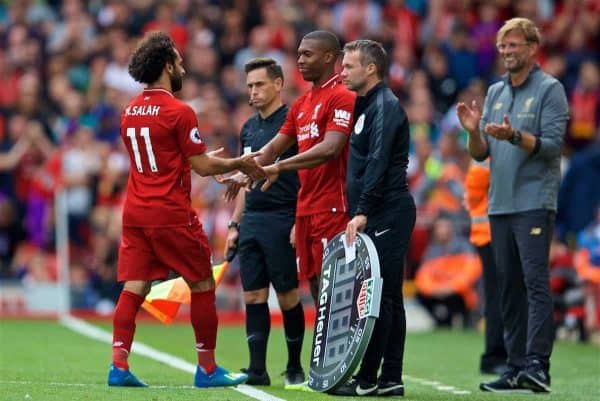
(64, 82)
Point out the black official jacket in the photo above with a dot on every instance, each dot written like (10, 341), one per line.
(376, 178)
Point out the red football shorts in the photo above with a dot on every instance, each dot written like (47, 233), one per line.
(312, 234)
(148, 253)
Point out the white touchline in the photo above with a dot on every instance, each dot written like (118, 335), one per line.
(88, 330)
(437, 385)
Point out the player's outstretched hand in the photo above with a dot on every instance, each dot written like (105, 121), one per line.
(234, 183)
(250, 167)
(272, 174)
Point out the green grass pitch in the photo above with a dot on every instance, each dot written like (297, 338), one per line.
(42, 360)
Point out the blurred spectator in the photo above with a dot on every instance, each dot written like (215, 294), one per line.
(443, 87)
(355, 19)
(445, 282)
(589, 239)
(165, 20)
(75, 33)
(484, 35)
(116, 75)
(584, 126)
(405, 21)
(462, 60)
(258, 46)
(577, 199)
(11, 234)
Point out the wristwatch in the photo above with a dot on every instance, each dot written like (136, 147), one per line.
(233, 224)
(516, 137)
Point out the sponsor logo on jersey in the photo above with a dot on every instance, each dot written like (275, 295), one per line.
(195, 136)
(308, 131)
(342, 117)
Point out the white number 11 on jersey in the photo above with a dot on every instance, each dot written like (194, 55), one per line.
(145, 133)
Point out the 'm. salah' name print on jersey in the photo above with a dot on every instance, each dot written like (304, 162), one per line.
(145, 110)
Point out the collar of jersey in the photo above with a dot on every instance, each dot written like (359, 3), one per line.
(327, 83)
(157, 91)
(273, 114)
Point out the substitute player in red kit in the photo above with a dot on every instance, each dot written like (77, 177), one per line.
(320, 123)
(161, 232)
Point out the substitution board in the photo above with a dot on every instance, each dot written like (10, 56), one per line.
(349, 299)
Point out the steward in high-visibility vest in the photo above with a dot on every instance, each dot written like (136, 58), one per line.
(477, 183)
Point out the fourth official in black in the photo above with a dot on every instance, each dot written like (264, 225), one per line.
(380, 205)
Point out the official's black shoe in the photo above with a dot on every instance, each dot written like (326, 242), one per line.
(355, 387)
(507, 383)
(257, 379)
(293, 376)
(535, 377)
(390, 388)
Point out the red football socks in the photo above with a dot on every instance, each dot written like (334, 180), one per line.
(124, 327)
(203, 315)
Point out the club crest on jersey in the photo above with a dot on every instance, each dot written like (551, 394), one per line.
(316, 112)
(360, 124)
(195, 136)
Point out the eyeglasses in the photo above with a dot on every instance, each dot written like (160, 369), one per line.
(510, 46)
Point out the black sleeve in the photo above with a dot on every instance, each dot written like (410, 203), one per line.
(388, 123)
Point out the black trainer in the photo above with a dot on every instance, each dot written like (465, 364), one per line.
(355, 387)
(257, 379)
(293, 376)
(390, 388)
(507, 383)
(535, 377)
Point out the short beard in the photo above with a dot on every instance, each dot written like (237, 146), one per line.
(176, 81)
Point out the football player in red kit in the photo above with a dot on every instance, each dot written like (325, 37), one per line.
(320, 123)
(161, 232)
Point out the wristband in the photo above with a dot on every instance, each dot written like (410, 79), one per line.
(537, 146)
(516, 138)
(233, 224)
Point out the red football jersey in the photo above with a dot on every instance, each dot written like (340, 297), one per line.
(160, 133)
(328, 107)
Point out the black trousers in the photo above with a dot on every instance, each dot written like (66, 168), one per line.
(494, 351)
(389, 334)
(521, 249)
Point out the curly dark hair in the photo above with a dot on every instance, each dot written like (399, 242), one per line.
(150, 57)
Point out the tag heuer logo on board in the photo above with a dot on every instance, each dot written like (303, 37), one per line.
(365, 298)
